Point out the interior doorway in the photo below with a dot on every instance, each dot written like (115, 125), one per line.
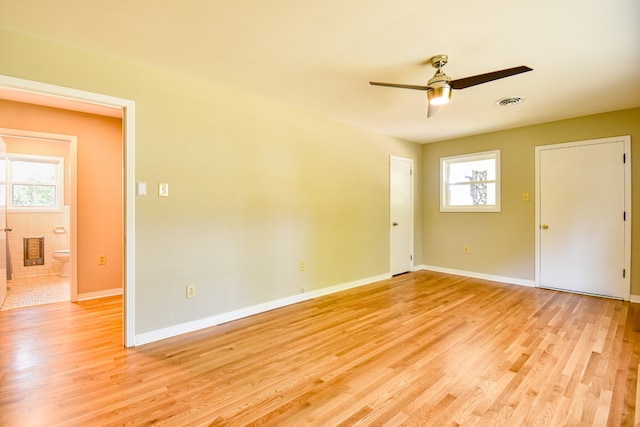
(583, 213)
(62, 97)
(38, 284)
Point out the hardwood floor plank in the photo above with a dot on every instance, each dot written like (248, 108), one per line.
(423, 348)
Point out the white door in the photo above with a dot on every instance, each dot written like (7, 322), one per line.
(3, 221)
(401, 214)
(583, 216)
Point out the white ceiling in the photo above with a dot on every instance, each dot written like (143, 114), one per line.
(320, 55)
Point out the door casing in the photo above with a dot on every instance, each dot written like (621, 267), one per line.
(3, 231)
(29, 87)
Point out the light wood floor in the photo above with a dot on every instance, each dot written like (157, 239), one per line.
(419, 349)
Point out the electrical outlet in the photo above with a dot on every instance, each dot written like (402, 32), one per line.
(466, 250)
(191, 291)
(102, 259)
(303, 290)
(303, 266)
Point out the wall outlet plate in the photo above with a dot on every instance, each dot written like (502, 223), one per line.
(191, 291)
(163, 189)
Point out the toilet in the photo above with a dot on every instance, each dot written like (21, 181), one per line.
(64, 255)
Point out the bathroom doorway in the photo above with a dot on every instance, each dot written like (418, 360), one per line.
(39, 168)
(44, 94)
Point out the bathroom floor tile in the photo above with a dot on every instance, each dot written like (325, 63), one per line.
(25, 292)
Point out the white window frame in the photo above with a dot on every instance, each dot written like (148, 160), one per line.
(445, 163)
(59, 184)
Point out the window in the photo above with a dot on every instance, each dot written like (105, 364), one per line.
(470, 183)
(34, 183)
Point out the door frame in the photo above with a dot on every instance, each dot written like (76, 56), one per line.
(73, 193)
(38, 89)
(626, 140)
(411, 208)
(3, 231)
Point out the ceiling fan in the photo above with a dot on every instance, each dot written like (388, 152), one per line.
(440, 85)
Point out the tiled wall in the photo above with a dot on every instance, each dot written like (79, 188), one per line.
(37, 224)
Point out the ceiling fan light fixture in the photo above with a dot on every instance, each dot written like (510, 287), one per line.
(440, 93)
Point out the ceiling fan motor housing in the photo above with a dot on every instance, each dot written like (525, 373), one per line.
(439, 92)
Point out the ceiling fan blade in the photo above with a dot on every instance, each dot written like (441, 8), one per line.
(487, 77)
(401, 86)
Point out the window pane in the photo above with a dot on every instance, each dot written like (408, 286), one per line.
(472, 195)
(3, 195)
(464, 171)
(34, 195)
(33, 172)
(470, 182)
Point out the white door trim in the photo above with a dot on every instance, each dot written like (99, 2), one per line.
(411, 207)
(128, 136)
(626, 139)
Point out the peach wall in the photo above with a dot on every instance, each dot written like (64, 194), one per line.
(99, 172)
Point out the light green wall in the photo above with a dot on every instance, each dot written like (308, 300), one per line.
(254, 187)
(503, 243)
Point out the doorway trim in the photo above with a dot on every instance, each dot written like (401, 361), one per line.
(626, 139)
(28, 87)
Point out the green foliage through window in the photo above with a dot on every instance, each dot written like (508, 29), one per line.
(34, 195)
(33, 183)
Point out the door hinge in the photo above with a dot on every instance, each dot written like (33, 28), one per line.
(624, 273)
(410, 257)
(624, 215)
(410, 171)
(624, 158)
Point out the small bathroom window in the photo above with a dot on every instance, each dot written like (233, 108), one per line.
(34, 183)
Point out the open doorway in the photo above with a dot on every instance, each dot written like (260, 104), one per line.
(60, 97)
(37, 182)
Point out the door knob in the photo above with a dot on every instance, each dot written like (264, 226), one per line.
(395, 224)
(545, 226)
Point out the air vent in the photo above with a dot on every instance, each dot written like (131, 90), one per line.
(504, 102)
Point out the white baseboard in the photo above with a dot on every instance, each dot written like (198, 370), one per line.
(634, 298)
(502, 279)
(100, 294)
(195, 325)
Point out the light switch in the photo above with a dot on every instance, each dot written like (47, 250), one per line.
(163, 189)
(142, 189)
